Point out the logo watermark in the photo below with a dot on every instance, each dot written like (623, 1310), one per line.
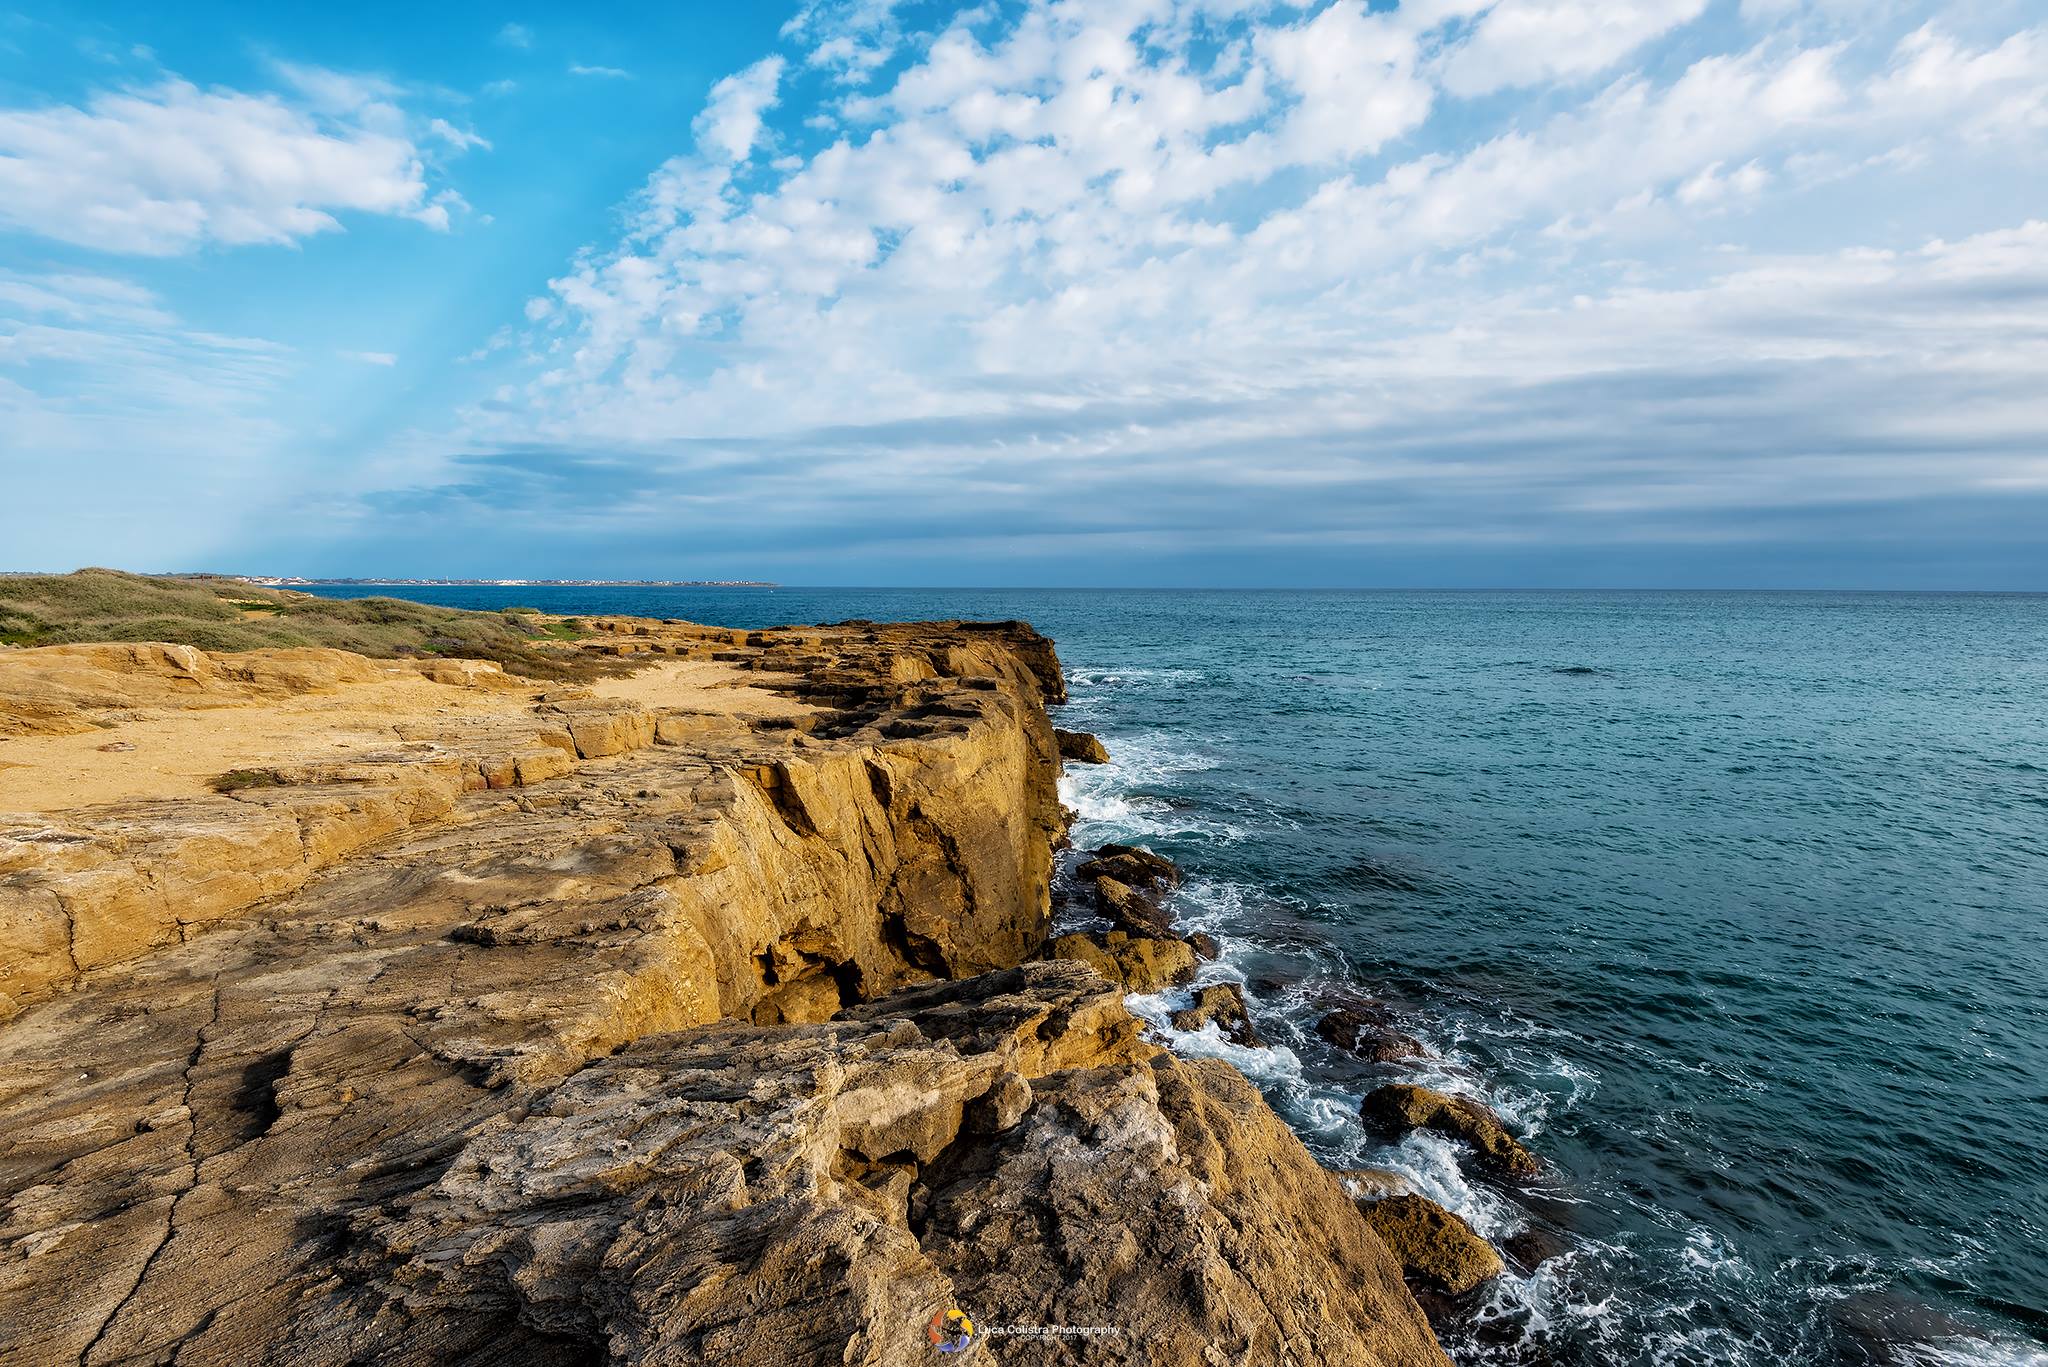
(951, 1331)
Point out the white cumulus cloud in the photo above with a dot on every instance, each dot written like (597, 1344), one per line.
(171, 167)
(1138, 271)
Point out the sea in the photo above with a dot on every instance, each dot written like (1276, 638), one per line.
(1734, 905)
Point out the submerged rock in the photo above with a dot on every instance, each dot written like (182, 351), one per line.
(1399, 1108)
(1367, 1035)
(1530, 1248)
(1434, 1246)
(1081, 747)
(1367, 1185)
(1221, 1004)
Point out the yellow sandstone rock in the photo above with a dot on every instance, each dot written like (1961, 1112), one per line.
(682, 1019)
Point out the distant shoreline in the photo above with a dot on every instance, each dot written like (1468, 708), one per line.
(292, 581)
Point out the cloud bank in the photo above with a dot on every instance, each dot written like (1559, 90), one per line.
(1124, 278)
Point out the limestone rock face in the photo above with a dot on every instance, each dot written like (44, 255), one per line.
(825, 844)
(1435, 1246)
(733, 1194)
(640, 1024)
(1399, 1108)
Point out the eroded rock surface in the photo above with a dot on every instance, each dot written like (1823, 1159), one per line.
(1136, 963)
(588, 1026)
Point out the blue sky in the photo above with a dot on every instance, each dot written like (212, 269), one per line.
(1531, 292)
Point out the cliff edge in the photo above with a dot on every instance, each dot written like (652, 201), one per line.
(404, 1011)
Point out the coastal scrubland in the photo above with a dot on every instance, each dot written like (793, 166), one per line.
(227, 614)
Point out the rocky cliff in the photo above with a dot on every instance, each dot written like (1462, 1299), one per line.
(402, 1012)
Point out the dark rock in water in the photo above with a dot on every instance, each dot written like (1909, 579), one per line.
(1580, 670)
(1205, 945)
(1222, 1005)
(1530, 1248)
(1334, 997)
(1366, 1034)
(1129, 864)
(1130, 910)
(1399, 1108)
(1434, 1246)
(1081, 747)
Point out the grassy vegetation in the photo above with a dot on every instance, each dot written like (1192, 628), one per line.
(235, 780)
(225, 614)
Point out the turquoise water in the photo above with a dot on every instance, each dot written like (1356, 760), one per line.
(1733, 903)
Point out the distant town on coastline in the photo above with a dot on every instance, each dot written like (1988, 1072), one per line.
(287, 581)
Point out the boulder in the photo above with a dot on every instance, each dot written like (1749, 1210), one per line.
(1399, 1108)
(1081, 747)
(1221, 1005)
(1135, 963)
(1530, 1248)
(1434, 1246)
(1130, 910)
(1205, 945)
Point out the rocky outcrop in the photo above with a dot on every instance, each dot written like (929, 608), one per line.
(1399, 1108)
(1136, 963)
(1435, 1247)
(1081, 747)
(1221, 1005)
(1131, 910)
(636, 1024)
(1168, 1205)
(1132, 865)
(769, 828)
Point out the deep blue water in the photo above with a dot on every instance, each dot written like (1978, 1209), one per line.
(1736, 904)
